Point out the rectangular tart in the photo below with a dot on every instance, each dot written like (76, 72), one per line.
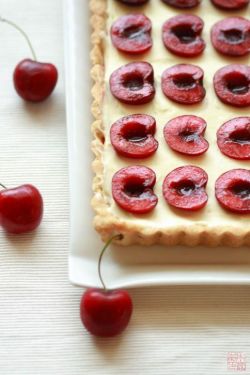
(211, 226)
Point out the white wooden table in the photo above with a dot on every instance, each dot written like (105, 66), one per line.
(174, 330)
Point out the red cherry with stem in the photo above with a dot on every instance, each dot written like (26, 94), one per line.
(21, 208)
(34, 81)
(104, 312)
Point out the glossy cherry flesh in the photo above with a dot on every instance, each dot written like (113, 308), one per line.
(133, 136)
(185, 134)
(231, 36)
(182, 3)
(34, 81)
(134, 2)
(132, 189)
(132, 34)
(232, 190)
(231, 4)
(182, 35)
(21, 209)
(183, 84)
(232, 85)
(133, 83)
(184, 188)
(105, 313)
(233, 138)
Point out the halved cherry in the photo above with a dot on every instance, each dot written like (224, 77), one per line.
(134, 2)
(232, 190)
(184, 188)
(132, 33)
(231, 36)
(133, 83)
(231, 4)
(185, 134)
(132, 189)
(182, 3)
(233, 138)
(183, 84)
(182, 35)
(232, 85)
(133, 136)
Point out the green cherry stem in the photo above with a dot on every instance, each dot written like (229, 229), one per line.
(3, 186)
(116, 237)
(22, 32)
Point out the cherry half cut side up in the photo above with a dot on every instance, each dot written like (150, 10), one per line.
(232, 85)
(183, 84)
(230, 4)
(104, 312)
(182, 3)
(185, 134)
(232, 190)
(133, 136)
(132, 34)
(184, 188)
(133, 83)
(132, 189)
(231, 36)
(233, 138)
(182, 35)
(34, 81)
(21, 209)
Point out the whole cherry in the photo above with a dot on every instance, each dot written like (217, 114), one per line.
(34, 81)
(104, 312)
(21, 208)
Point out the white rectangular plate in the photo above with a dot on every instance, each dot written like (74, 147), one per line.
(132, 266)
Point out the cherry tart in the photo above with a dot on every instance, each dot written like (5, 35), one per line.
(133, 83)
(184, 4)
(232, 85)
(184, 188)
(231, 36)
(185, 134)
(182, 35)
(133, 136)
(233, 138)
(230, 4)
(232, 190)
(183, 84)
(132, 189)
(132, 34)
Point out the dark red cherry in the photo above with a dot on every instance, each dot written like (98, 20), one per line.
(133, 2)
(132, 33)
(230, 4)
(133, 136)
(233, 138)
(232, 190)
(231, 36)
(105, 313)
(183, 84)
(21, 209)
(232, 85)
(182, 3)
(182, 35)
(184, 188)
(34, 81)
(133, 83)
(185, 134)
(132, 189)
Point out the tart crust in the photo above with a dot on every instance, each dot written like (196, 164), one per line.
(106, 223)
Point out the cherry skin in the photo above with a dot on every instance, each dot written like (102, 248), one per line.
(21, 209)
(105, 313)
(34, 81)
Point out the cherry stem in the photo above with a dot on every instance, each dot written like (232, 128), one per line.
(23, 33)
(116, 237)
(3, 186)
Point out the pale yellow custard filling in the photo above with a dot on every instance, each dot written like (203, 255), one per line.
(211, 109)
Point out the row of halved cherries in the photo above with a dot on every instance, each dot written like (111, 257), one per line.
(181, 35)
(133, 136)
(183, 188)
(133, 83)
(223, 4)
